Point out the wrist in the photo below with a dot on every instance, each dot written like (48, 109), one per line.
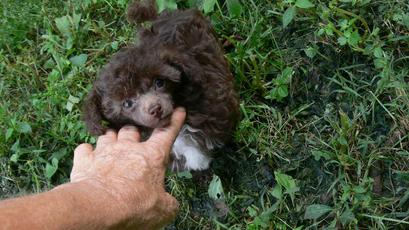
(96, 206)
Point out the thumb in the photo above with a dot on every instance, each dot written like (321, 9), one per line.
(82, 155)
(163, 138)
(168, 209)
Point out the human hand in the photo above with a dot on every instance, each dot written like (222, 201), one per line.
(129, 174)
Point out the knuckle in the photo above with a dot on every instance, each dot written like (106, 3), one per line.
(81, 148)
(101, 138)
(129, 128)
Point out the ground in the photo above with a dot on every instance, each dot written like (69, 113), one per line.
(323, 139)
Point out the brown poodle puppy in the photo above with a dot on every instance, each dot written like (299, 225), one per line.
(178, 61)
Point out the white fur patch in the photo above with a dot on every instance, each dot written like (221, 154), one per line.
(186, 146)
(210, 143)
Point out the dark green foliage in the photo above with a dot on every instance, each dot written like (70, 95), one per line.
(323, 141)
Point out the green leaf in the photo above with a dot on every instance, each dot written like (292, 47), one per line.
(166, 4)
(208, 6)
(310, 52)
(185, 174)
(315, 211)
(50, 169)
(284, 180)
(282, 91)
(192, 3)
(63, 25)
(342, 40)
(347, 217)
(272, 94)
(69, 106)
(69, 43)
(264, 218)
(405, 20)
(73, 99)
(215, 190)
(359, 189)
(79, 60)
(71, 102)
(53, 76)
(14, 157)
(15, 147)
(287, 74)
(252, 211)
(277, 192)
(329, 29)
(380, 63)
(59, 154)
(16, 150)
(288, 16)
(320, 154)
(122, 2)
(288, 183)
(343, 24)
(343, 141)
(76, 18)
(354, 38)
(285, 77)
(304, 4)
(378, 52)
(234, 7)
(348, 33)
(49, 64)
(9, 132)
(24, 127)
(115, 45)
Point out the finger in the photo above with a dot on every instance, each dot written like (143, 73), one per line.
(82, 154)
(163, 138)
(129, 133)
(109, 138)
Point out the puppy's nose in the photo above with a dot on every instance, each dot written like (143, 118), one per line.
(155, 110)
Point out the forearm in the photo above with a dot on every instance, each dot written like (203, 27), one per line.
(70, 206)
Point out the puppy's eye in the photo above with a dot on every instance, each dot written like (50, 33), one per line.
(159, 83)
(127, 104)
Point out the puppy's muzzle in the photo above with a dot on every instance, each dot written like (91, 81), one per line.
(155, 110)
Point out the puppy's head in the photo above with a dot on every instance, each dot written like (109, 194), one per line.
(135, 87)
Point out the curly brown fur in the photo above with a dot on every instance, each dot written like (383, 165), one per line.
(140, 11)
(182, 51)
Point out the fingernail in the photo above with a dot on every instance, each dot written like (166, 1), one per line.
(130, 128)
(110, 131)
(181, 109)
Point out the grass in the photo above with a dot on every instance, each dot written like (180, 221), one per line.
(323, 141)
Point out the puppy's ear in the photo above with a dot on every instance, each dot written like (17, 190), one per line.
(191, 80)
(180, 63)
(92, 113)
(191, 76)
(172, 72)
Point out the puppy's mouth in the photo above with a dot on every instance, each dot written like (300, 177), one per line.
(155, 122)
(163, 122)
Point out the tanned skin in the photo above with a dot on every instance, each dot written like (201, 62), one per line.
(117, 185)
